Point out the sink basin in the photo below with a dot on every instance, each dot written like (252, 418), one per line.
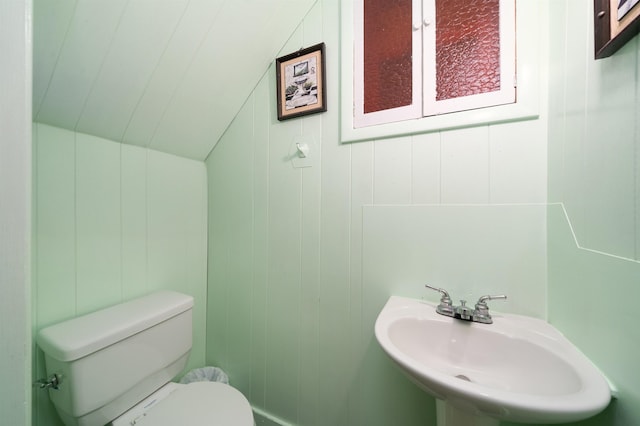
(519, 369)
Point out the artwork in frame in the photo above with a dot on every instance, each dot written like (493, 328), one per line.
(615, 23)
(301, 83)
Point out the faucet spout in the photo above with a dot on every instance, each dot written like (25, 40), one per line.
(464, 312)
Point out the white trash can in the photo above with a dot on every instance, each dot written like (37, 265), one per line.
(205, 374)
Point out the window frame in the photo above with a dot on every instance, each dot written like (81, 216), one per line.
(528, 47)
(507, 92)
(414, 110)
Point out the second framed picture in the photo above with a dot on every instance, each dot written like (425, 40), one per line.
(301, 82)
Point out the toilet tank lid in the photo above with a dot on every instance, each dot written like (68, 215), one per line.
(81, 336)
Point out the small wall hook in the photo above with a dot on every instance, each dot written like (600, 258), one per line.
(303, 150)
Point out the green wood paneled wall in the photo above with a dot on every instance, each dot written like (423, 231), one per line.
(113, 222)
(289, 310)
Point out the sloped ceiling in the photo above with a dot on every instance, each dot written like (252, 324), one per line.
(165, 74)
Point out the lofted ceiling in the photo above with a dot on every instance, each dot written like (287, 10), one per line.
(165, 74)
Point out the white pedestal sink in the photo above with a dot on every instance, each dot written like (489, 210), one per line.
(450, 415)
(519, 369)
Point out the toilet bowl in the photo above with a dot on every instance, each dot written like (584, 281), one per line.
(199, 403)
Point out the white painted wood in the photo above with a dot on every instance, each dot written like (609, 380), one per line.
(507, 92)
(195, 23)
(465, 166)
(170, 75)
(86, 43)
(411, 111)
(114, 222)
(285, 259)
(51, 35)
(15, 212)
(571, 173)
(263, 114)
(133, 199)
(425, 169)
(309, 407)
(55, 250)
(334, 304)
(637, 175)
(530, 21)
(458, 248)
(313, 296)
(223, 75)
(392, 171)
(362, 188)
(609, 169)
(127, 66)
(98, 224)
(518, 163)
(54, 243)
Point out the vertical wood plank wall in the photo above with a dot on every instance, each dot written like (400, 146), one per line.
(15, 211)
(113, 222)
(285, 243)
(285, 265)
(594, 148)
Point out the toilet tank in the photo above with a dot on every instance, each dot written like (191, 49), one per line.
(109, 360)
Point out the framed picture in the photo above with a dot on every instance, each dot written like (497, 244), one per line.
(301, 83)
(615, 23)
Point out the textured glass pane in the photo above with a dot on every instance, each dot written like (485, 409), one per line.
(387, 54)
(467, 47)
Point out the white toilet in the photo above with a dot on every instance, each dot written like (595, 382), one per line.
(115, 366)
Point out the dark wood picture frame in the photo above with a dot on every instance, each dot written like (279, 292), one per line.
(301, 82)
(610, 34)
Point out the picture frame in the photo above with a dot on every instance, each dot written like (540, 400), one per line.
(615, 23)
(301, 83)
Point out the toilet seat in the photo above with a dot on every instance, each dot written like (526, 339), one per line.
(199, 403)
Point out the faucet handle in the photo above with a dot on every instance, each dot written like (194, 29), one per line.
(481, 313)
(445, 307)
(442, 291)
(483, 300)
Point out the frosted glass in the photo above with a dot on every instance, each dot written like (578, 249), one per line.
(387, 54)
(467, 48)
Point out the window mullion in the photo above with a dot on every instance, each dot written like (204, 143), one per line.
(428, 17)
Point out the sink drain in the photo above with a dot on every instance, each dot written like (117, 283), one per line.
(463, 377)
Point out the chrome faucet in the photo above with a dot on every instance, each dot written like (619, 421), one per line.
(463, 312)
(445, 307)
(481, 312)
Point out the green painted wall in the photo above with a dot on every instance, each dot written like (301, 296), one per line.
(290, 260)
(594, 139)
(299, 265)
(113, 222)
(15, 212)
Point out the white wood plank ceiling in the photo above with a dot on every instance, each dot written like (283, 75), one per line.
(165, 74)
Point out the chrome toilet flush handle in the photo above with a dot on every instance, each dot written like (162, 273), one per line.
(52, 382)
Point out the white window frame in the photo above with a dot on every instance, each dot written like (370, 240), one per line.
(414, 110)
(507, 92)
(529, 38)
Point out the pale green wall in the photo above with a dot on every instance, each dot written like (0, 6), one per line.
(296, 267)
(594, 135)
(15, 212)
(113, 222)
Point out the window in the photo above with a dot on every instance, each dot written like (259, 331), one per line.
(416, 58)
(529, 43)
